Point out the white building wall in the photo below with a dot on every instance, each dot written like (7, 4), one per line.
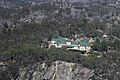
(88, 49)
(68, 43)
(82, 48)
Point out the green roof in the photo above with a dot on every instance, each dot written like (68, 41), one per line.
(60, 40)
(75, 43)
(82, 42)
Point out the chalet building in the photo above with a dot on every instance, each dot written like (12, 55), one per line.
(60, 42)
(80, 45)
(77, 45)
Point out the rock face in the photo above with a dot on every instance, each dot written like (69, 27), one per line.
(57, 71)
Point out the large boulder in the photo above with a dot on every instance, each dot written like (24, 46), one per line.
(58, 70)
